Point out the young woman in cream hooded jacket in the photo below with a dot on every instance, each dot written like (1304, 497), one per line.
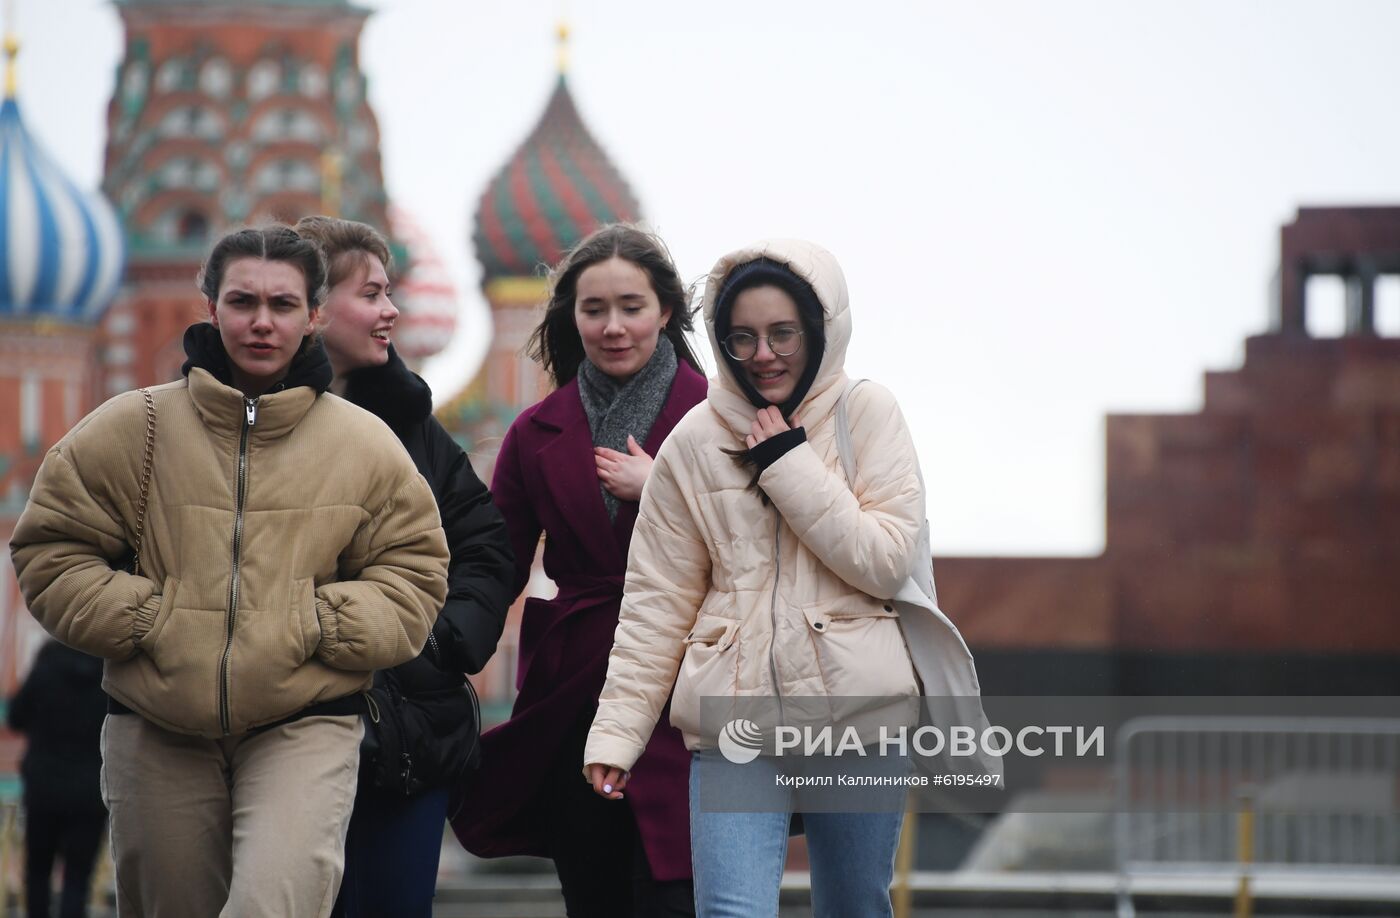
(756, 571)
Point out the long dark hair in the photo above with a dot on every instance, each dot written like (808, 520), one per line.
(555, 343)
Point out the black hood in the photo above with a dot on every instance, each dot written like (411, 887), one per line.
(391, 392)
(205, 349)
(765, 272)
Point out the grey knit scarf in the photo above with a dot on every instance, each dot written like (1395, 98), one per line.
(616, 409)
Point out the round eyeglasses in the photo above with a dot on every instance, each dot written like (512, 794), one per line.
(783, 342)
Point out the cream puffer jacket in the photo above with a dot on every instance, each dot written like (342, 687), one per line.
(290, 548)
(726, 597)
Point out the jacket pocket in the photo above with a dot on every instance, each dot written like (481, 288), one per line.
(149, 640)
(709, 669)
(303, 620)
(860, 648)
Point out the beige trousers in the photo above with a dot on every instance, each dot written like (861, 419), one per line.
(243, 826)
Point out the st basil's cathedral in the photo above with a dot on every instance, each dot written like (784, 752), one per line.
(226, 114)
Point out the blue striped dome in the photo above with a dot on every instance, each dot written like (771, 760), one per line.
(61, 250)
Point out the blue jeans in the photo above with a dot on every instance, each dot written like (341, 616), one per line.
(391, 855)
(739, 857)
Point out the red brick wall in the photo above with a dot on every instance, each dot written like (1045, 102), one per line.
(1268, 522)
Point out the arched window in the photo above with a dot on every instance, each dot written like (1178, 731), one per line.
(287, 175)
(192, 227)
(263, 79)
(189, 172)
(216, 77)
(173, 75)
(192, 121)
(288, 124)
(312, 81)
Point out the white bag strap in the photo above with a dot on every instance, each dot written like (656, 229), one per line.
(844, 449)
(938, 652)
(922, 575)
(843, 432)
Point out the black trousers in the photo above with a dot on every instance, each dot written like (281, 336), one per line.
(598, 852)
(74, 838)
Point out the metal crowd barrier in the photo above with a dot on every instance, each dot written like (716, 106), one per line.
(1250, 797)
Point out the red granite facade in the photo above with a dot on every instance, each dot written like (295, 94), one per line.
(1271, 520)
(1267, 525)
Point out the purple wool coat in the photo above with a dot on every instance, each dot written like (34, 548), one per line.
(545, 480)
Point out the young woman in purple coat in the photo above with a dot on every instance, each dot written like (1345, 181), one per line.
(572, 467)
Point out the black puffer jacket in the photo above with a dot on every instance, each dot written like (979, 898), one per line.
(60, 709)
(478, 577)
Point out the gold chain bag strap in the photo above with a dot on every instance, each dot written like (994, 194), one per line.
(145, 477)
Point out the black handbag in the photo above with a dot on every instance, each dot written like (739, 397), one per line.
(421, 741)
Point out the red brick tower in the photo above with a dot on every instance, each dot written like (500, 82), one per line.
(226, 113)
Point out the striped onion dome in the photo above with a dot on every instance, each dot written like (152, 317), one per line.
(61, 249)
(558, 187)
(425, 294)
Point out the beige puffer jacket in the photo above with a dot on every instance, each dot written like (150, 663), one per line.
(727, 597)
(260, 593)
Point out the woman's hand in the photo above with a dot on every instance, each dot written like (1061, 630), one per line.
(623, 474)
(607, 781)
(769, 424)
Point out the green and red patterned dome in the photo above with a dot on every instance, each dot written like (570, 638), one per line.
(558, 187)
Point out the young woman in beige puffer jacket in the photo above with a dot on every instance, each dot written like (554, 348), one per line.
(757, 572)
(269, 589)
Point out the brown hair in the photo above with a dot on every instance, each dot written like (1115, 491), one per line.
(347, 245)
(277, 242)
(555, 343)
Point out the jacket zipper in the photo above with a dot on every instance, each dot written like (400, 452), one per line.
(250, 409)
(773, 613)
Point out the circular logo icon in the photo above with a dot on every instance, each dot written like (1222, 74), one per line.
(741, 741)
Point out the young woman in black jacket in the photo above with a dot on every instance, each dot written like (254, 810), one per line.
(427, 728)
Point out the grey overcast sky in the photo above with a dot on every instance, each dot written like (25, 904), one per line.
(1046, 211)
